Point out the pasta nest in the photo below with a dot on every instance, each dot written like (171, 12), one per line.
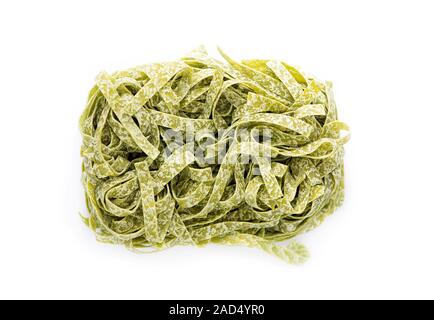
(197, 151)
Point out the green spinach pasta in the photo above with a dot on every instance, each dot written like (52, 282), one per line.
(199, 151)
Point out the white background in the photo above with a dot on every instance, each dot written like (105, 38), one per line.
(379, 54)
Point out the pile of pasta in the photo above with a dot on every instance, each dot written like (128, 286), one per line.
(197, 150)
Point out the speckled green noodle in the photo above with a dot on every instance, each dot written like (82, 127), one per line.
(139, 196)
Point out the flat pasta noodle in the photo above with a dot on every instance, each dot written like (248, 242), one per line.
(200, 151)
